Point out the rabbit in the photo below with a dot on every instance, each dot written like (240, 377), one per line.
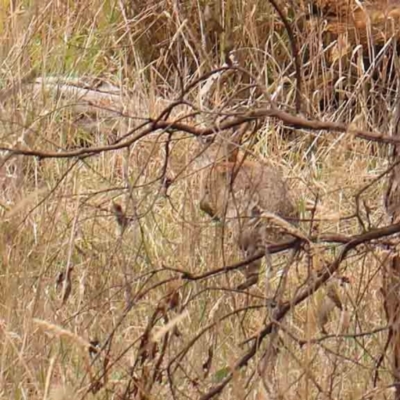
(235, 189)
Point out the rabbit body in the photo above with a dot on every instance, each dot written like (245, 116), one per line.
(237, 191)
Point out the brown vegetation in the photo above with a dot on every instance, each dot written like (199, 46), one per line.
(375, 20)
(115, 281)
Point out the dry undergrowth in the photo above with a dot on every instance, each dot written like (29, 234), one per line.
(92, 247)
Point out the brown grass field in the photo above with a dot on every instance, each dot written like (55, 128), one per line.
(102, 238)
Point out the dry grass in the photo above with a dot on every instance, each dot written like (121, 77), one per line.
(57, 218)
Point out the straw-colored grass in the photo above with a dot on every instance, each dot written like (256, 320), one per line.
(56, 214)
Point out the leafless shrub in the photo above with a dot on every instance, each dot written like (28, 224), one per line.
(104, 187)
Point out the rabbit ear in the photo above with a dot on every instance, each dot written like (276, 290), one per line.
(239, 132)
(223, 146)
(235, 142)
(206, 151)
